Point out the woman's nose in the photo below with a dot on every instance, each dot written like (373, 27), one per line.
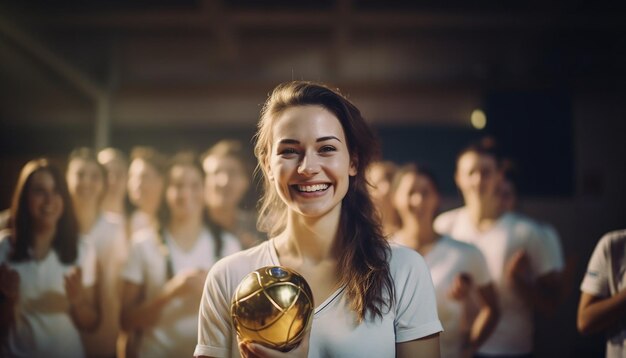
(415, 200)
(309, 165)
(222, 179)
(47, 197)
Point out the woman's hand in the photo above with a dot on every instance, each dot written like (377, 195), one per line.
(83, 308)
(255, 350)
(74, 289)
(460, 287)
(187, 282)
(518, 270)
(138, 313)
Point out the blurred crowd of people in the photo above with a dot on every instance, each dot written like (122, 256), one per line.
(490, 265)
(110, 259)
(493, 267)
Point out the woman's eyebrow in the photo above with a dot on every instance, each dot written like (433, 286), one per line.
(320, 139)
(330, 137)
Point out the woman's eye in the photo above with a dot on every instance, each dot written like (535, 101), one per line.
(38, 191)
(288, 151)
(327, 148)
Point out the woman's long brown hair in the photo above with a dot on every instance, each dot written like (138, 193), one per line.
(65, 242)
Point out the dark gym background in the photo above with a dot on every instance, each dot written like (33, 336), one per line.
(183, 74)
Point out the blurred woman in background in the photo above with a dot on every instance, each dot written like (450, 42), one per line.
(145, 187)
(165, 272)
(228, 176)
(87, 183)
(379, 176)
(458, 269)
(47, 273)
(116, 164)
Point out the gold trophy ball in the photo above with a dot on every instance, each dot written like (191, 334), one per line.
(272, 306)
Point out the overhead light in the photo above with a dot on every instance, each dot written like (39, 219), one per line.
(478, 119)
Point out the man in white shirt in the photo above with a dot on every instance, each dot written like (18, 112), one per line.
(512, 246)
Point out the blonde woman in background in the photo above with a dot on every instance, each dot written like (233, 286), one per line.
(87, 183)
(116, 164)
(228, 176)
(146, 176)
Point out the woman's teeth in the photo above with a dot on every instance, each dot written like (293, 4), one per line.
(312, 188)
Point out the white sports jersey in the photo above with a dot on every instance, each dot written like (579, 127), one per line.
(510, 234)
(447, 259)
(108, 236)
(175, 333)
(44, 327)
(335, 331)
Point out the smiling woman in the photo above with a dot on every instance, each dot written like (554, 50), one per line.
(313, 146)
(47, 273)
(309, 160)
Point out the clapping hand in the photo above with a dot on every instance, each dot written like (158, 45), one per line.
(518, 269)
(188, 282)
(73, 281)
(460, 287)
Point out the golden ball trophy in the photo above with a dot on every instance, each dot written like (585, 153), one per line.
(272, 306)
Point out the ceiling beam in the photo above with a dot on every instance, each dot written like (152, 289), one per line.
(281, 19)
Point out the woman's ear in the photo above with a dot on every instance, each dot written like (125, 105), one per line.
(268, 170)
(354, 166)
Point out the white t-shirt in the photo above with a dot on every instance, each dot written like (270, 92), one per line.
(108, 236)
(510, 233)
(553, 247)
(176, 331)
(140, 221)
(605, 277)
(447, 259)
(334, 331)
(44, 327)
